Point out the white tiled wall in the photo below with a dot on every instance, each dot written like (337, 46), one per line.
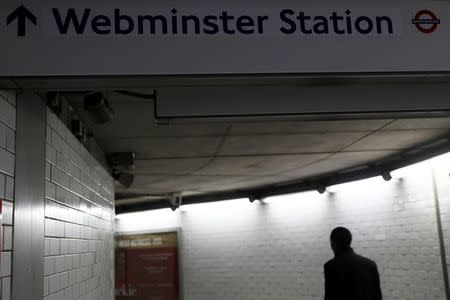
(242, 250)
(79, 210)
(7, 171)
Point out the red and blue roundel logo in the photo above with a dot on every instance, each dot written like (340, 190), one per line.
(426, 21)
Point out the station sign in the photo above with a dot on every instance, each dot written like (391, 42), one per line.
(80, 38)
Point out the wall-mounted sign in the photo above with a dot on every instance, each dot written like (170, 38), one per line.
(147, 267)
(46, 38)
(255, 101)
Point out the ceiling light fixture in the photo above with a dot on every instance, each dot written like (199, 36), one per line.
(386, 175)
(175, 200)
(321, 188)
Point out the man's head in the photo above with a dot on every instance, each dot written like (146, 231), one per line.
(340, 239)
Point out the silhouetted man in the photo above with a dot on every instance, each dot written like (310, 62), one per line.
(349, 276)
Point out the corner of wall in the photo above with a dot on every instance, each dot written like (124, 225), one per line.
(79, 219)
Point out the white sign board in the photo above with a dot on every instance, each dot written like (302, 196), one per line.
(79, 38)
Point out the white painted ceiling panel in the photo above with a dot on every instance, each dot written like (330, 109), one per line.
(395, 140)
(292, 143)
(257, 165)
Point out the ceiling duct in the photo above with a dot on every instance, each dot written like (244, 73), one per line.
(99, 108)
(122, 160)
(124, 178)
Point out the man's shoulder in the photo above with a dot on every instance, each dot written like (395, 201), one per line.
(329, 263)
(364, 263)
(365, 260)
(352, 259)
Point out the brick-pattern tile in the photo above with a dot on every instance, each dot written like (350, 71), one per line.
(79, 212)
(7, 171)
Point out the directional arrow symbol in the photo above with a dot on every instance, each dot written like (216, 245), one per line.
(21, 14)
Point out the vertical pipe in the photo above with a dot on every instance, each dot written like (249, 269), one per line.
(441, 235)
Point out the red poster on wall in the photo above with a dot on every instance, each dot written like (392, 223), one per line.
(147, 267)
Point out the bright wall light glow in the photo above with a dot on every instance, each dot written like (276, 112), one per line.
(419, 168)
(297, 197)
(142, 214)
(441, 162)
(358, 185)
(147, 220)
(307, 206)
(233, 204)
(307, 201)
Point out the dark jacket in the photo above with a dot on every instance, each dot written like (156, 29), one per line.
(349, 276)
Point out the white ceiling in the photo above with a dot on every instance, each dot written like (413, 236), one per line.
(202, 157)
